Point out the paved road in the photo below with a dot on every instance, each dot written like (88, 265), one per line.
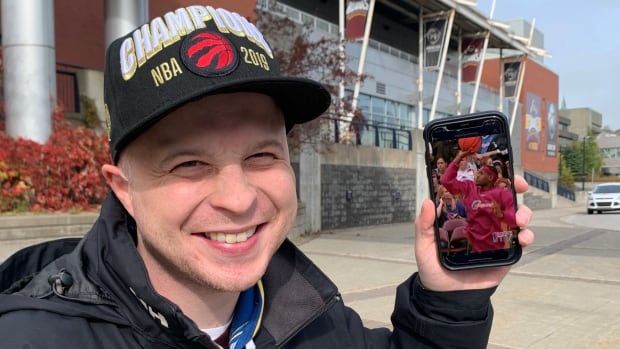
(564, 293)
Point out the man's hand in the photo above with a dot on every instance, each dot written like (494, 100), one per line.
(434, 277)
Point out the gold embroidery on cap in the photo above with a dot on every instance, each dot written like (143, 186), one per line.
(166, 72)
(108, 122)
(253, 57)
(148, 40)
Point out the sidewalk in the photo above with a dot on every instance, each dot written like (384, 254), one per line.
(562, 294)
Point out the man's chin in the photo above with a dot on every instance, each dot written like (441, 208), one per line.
(236, 285)
(236, 281)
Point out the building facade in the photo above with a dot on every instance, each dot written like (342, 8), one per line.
(584, 121)
(610, 150)
(376, 182)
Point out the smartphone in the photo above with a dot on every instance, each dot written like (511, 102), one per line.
(470, 174)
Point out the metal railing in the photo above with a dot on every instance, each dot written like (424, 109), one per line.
(535, 181)
(543, 184)
(566, 193)
(383, 136)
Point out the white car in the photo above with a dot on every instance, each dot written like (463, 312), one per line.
(604, 197)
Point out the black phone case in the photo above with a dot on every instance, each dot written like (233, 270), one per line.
(464, 126)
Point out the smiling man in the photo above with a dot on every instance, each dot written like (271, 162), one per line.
(190, 248)
(212, 206)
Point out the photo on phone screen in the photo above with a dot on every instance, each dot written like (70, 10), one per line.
(469, 166)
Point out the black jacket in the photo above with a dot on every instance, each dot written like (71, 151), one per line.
(96, 294)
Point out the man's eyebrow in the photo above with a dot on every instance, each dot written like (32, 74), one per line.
(268, 143)
(192, 152)
(180, 153)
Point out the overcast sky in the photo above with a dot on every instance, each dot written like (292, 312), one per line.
(584, 40)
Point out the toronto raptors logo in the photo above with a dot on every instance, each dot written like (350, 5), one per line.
(209, 54)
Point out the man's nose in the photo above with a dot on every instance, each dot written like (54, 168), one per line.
(233, 191)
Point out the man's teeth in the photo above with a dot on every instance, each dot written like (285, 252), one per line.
(231, 238)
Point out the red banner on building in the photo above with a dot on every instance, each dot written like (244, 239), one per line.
(356, 13)
(471, 54)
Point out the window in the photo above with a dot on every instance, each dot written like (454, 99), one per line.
(363, 103)
(610, 153)
(406, 115)
(387, 123)
(383, 112)
(426, 114)
(377, 110)
(391, 111)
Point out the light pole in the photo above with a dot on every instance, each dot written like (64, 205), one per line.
(583, 164)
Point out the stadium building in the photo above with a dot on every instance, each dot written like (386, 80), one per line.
(423, 60)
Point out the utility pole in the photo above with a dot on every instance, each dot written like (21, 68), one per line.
(583, 164)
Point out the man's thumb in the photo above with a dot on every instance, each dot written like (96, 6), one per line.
(425, 221)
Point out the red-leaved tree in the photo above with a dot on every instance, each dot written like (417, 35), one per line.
(299, 54)
(61, 175)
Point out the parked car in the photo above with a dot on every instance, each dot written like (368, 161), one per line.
(604, 197)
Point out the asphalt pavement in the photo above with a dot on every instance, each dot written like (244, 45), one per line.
(564, 292)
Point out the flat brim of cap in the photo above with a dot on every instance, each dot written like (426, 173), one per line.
(301, 100)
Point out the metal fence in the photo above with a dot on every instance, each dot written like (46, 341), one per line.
(566, 193)
(384, 136)
(543, 184)
(535, 181)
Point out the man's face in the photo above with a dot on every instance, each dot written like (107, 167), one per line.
(482, 178)
(212, 192)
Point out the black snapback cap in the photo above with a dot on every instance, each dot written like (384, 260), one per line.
(190, 53)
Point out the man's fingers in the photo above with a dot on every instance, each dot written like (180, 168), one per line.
(520, 184)
(426, 219)
(523, 216)
(526, 237)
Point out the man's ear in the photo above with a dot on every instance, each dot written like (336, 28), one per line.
(119, 184)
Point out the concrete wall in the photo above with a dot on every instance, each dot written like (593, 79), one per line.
(90, 84)
(17, 232)
(366, 185)
(43, 226)
(355, 185)
(363, 195)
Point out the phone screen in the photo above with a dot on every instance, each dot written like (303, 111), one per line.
(469, 165)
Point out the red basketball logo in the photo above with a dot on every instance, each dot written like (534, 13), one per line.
(209, 54)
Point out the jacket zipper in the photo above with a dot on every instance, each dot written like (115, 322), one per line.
(323, 309)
